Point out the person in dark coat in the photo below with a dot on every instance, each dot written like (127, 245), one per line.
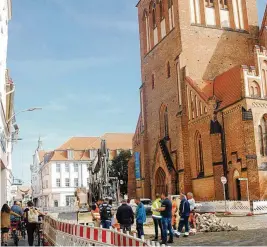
(184, 212)
(125, 216)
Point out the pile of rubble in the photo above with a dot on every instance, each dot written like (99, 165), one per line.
(211, 223)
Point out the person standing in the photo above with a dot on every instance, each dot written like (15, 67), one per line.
(174, 213)
(156, 216)
(125, 216)
(105, 214)
(95, 215)
(184, 212)
(5, 223)
(166, 214)
(140, 217)
(31, 217)
(192, 204)
(17, 209)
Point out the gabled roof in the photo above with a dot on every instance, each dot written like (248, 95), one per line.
(79, 143)
(118, 140)
(82, 145)
(228, 86)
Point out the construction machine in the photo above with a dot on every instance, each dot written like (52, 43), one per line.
(101, 185)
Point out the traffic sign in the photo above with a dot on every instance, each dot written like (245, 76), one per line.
(223, 180)
(242, 179)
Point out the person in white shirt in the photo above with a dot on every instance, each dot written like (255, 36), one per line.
(192, 203)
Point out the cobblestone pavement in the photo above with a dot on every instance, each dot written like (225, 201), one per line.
(238, 238)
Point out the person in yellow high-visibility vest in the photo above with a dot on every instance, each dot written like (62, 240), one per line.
(156, 216)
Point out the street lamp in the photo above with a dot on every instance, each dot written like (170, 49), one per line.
(16, 113)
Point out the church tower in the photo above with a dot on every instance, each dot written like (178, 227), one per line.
(216, 35)
(196, 39)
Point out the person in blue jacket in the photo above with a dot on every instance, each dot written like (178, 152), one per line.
(140, 217)
(184, 212)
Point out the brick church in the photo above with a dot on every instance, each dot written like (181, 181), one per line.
(203, 100)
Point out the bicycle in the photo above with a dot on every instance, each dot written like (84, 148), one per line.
(38, 234)
(14, 232)
(23, 229)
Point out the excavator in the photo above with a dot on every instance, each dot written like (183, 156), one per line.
(101, 185)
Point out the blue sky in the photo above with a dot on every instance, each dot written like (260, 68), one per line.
(79, 60)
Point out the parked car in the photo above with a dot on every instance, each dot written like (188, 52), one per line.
(147, 204)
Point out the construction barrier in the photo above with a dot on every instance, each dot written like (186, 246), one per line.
(230, 207)
(66, 209)
(65, 233)
(259, 207)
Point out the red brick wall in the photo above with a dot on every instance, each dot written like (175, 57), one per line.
(205, 52)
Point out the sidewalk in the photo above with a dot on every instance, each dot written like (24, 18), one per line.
(22, 242)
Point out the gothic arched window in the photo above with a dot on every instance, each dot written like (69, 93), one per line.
(264, 77)
(153, 81)
(161, 10)
(261, 140)
(168, 70)
(179, 84)
(224, 4)
(171, 14)
(199, 155)
(209, 3)
(192, 105)
(147, 31)
(263, 135)
(166, 123)
(255, 90)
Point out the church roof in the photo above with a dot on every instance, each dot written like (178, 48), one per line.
(228, 86)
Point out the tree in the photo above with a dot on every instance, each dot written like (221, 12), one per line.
(119, 169)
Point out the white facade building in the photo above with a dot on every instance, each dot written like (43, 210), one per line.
(56, 175)
(6, 108)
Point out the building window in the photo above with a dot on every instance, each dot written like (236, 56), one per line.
(58, 167)
(67, 182)
(264, 77)
(161, 10)
(200, 108)
(192, 105)
(70, 200)
(179, 84)
(263, 135)
(171, 14)
(56, 203)
(224, 4)
(168, 70)
(255, 90)
(70, 154)
(261, 138)
(76, 182)
(153, 81)
(154, 18)
(199, 155)
(209, 3)
(166, 123)
(46, 183)
(76, 167)
(196, 106)
(67, 168)
(58, 182)
(147, 29)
